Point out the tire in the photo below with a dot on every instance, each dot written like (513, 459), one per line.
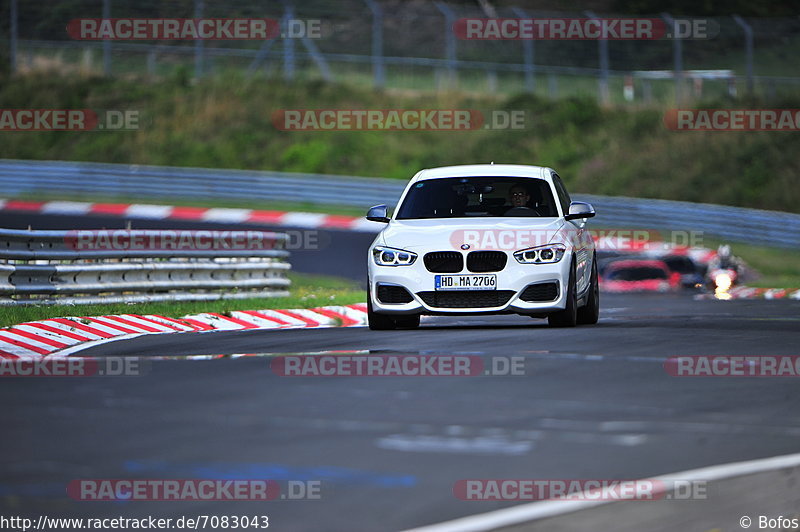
(569, 316)
(590, 313)
(379, 322)
(407, 322)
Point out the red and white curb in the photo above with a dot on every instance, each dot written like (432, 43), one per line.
(201, 214)
(64, 336)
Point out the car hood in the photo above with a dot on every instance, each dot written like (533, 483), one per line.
(444, 234)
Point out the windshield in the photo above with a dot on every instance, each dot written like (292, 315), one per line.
(680, 264)
(465, 197)
(638, 273)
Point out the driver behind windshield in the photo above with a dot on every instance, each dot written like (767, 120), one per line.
(519, 197)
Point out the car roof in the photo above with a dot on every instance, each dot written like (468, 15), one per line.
(472, 170)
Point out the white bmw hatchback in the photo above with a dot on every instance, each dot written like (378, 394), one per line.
(483, 239)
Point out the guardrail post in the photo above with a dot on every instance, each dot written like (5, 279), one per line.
(552, 85)
(151, 63)
(527, 55)
(677, 52)
(491, 81)
(378, 70)
(748, 44)
(602, 51)
(450, 42)
(647, 91)
(771, 89)
(198, 43)
(107, 42)
(13, 44)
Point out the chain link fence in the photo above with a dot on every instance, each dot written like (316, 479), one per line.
(412, 45)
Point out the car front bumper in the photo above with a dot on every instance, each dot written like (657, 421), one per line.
(511, 281)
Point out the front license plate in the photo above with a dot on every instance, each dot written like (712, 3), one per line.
(466, 282)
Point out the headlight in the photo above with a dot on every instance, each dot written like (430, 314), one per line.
(541, 255)
(723, 281)
(384, 256)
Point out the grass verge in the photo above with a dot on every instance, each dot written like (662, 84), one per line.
(308, 291)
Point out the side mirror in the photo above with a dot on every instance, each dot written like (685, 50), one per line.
(578, 210)
(378, 214)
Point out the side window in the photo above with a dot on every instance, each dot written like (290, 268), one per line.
(563, 196)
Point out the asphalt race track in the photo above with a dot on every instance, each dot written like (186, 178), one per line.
(594, 402)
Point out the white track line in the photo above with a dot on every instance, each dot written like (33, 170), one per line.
(526, 513)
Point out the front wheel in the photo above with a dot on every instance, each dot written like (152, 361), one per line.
(382, 322)
(589, 314)
(378, 322)
(569, 316)
(407, 322)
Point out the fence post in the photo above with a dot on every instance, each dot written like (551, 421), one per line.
(288, 42)
(677, 52)
(748, 43)
(450, 42)
(317, 57)
(261, 56)
(378, 70)
(107, 42)
(527, 55)
(732, 86)
(13, 44)
(198, 43)
(602, 50)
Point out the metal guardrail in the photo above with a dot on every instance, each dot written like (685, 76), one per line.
(43, 267)
(752, 226)
(17, 177)
(164, 182)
